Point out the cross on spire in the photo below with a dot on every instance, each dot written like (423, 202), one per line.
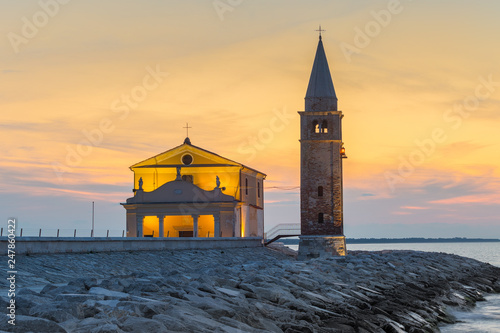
(187, 127)
(320, 31)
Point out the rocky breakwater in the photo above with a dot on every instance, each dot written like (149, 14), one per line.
(245, 290)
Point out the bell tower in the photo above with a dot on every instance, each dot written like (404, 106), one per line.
(321, 154)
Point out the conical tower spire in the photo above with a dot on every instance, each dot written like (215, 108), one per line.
(320, 95)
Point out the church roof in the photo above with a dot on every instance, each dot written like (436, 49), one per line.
(202, 157)
(320, 95)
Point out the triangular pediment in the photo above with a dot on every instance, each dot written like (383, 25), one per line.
(173, 157)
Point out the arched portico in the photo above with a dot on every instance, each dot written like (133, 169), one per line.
(180, 198)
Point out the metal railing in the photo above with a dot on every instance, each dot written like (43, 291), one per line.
(283, 229)
(280, 231)
(48, 232)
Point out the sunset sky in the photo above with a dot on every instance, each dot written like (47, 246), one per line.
(418, 83)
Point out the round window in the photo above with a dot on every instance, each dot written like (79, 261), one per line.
(187, 159)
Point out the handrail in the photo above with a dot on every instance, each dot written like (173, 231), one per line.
(283, 229)
(278, 237)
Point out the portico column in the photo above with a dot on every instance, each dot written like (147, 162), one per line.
(140, 223)
(195, 225)
(216, 225)
(161, 230)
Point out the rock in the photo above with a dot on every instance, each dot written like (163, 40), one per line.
(80, 298)
(173, 324)
(108, 294)
(230, 292)
(250, 290)
(31, 324)
(107, 328)
(50, 312)
(48, 288)
(66, 289)
(214, 307)
(139, 325)
(86, 325)
(83, 283)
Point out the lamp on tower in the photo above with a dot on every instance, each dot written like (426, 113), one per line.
(342, 153)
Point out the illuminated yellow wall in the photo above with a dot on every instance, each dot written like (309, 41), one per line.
(173, 224)
(206, 226)
(150, 225)
(203, 177)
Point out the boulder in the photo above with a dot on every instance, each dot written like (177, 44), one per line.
(31, 324)
(139, 325)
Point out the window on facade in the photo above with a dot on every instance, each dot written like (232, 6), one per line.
(320, 217)
(320, 191)
(187, 178)
(324, 127)
(246, 186)
(258, 189)
(315, 127)
(187, 159)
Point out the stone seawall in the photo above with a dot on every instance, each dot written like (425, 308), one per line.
(36, 245)
(244, 290)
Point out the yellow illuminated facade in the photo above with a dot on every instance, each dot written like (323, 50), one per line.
(188, 191)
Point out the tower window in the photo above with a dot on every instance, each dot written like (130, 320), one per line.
(324, 127)
(320, 217)
(320, 191)
(258, 189)
(315, 126)
(246, 186)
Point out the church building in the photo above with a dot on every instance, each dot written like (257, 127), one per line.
(188, 191)
(321, 155)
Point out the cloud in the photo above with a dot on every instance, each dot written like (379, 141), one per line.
(484, 199)
(414, 207)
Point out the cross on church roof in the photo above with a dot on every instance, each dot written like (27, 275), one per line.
(320, 31)
(187, 129)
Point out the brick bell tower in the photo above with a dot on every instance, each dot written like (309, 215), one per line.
(321, 154)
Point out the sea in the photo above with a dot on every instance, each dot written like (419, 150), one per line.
(485, 317)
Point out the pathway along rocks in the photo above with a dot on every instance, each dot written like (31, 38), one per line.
(245, 290)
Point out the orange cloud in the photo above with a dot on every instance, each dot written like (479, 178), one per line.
(486, 199)
(414, 207)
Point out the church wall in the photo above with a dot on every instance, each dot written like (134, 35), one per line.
(245, 220)
(250, 193)
(253, 222)
(260, 188)
(206, 226)
(260, 223)
(227, 224)
(131, 225)
(150, 225)
(175, 223)
(237, 222)
(203, 177)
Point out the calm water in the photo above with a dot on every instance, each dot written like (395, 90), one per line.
(485, 317)
(485, 252)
